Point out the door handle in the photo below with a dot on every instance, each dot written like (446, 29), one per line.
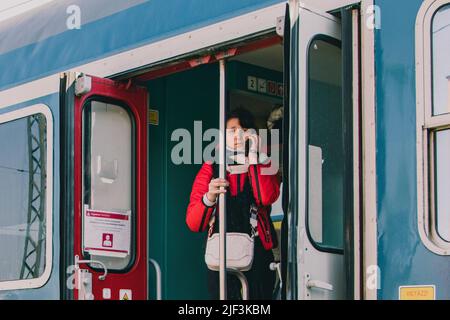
(105, 270)
(319, 285)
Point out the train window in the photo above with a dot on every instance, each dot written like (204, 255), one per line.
(439, 140)
(326, 156)
(433, 125)
(442, 183)
(25, 198)
(441, 63)
(108, 178)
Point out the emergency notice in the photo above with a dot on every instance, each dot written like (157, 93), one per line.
(107, 233)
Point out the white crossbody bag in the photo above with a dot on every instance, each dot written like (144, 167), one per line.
(240, 246)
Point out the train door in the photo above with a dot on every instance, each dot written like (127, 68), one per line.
(110, 177)
(322, 146)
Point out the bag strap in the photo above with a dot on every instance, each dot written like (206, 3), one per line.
(254, 219)
(253, 212)
(211, 222)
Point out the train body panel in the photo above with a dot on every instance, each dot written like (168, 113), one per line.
(129, 28)
(403, 258)
(130, 40)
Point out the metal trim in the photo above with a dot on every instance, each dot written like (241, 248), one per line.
(369, 168)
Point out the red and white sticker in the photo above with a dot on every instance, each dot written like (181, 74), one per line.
(107, 233)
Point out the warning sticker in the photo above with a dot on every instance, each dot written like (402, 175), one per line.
(107, 233)
(153, 117)
(427, 292)
(125, 294)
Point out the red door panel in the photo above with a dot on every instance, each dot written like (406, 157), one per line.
(129, 175)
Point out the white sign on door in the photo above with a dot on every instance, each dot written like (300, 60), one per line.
(107, 233)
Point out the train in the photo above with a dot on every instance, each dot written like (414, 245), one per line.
(97, 96)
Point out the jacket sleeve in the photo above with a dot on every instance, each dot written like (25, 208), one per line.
(198, 213)
(265, 188)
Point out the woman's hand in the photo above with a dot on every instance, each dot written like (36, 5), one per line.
(253, 147)
(215, 188)
(253, 138)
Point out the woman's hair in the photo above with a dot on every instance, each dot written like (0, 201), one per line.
(245, 117)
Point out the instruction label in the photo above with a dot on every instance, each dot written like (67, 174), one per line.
(107, 233)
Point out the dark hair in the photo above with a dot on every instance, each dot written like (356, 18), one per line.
(245, 117)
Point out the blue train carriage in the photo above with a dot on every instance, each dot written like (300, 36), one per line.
(102, 94)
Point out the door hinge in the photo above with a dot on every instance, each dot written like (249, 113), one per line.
(83, 85)
(280, 26)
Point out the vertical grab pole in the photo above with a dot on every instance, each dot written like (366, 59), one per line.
(222, 175)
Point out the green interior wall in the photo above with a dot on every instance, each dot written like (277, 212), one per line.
(181, 99)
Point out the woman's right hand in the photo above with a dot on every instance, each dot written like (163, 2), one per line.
(215, 188)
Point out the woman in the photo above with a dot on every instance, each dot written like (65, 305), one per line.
(245, 185)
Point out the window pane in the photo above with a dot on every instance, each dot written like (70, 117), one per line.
(22, 198)
(442, 178)
(326, 145)
(108, 167)
(441, 61)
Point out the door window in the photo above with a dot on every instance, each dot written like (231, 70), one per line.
(108, 176)
(326, 140)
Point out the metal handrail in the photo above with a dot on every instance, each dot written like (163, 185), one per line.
(276, 266)
(240, 275)
(158, 278)
(222, 175)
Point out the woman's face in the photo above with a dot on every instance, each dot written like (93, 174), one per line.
(235, 134)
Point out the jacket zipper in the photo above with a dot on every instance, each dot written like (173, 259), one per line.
(238, 183)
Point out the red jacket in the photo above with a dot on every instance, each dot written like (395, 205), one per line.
(266, 189)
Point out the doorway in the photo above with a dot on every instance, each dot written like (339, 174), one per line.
(189, 100)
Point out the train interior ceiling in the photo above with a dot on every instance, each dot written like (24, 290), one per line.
(254, 81)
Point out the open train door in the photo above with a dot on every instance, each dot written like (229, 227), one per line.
(320, 174)
(108, 120)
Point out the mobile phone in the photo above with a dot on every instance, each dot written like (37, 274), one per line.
(247, 147)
